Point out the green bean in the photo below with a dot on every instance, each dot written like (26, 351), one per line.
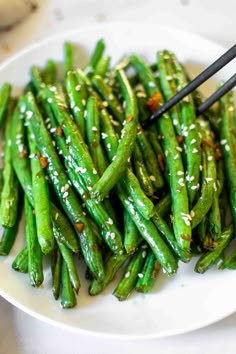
(95, 57)
(19, 154)
(59, 179)
(150, 159)
(10, 191)
(107, 94)
(78, 149)
(68, 236)
(145, 75)
(20, 263)
(163, 206)
(41, 198)
(208, 259)
(169, 236)
(132, 237)
(93, 135)
(141, 171)
(228, 143)
(179, 197)
(8, 238)
(102, 66)
(36, 78)
(68, 57)
(68, 299)
(112, 265)
(68, 258)
(56, 274)
(189, 131)
(148, 274)
(168, 85)
(120, 160)
(50, 72)
(35, 259)
(150, 234)
(77, 94)
(129, 278)
(5, 93)
(209, 187)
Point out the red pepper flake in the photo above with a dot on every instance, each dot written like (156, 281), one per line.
(186, 237)
(154, 102)
(59, 131)
(218, 153)
(79, 226)
(208, 143)
(95, 247)
(161, 162)
(22, 154)
(129, 118)
(180, 139)
(43, 162)
(95, 143)
(155, 270)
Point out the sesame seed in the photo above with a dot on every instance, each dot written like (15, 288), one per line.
(195, 151)
(31, 156)
(114, 157)
(210, 158)
(83, 102)
(65, 195)
(109, 146)
(56, 216)
(127, 274)
(179, 148)
(104, 135)
(200, 167)
(52, 89)
(193, 141)
(180, 173)
(94, 129)
(29, 114)
(209, 179)
(175, 122)
(68, 140)
(77, 88)
(192, 126)
(176, 156)
(140, 275)
(55, 173)
(151, 84)
(49, 100)
(109, 221)
(52, 130)
(223, 142)
(227, 147)
(76, 109)
(113, 235)
(144, 253)
(152, 178)
(95, 171)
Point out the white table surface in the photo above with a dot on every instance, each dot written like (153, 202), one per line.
(19, 332)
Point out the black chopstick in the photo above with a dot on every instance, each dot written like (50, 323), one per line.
(228, 85)
(200, 79)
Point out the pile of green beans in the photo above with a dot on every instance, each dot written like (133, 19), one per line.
(99, 189)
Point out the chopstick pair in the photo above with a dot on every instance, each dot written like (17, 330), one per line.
(195, 83)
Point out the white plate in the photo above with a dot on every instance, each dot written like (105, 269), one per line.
(184, 303)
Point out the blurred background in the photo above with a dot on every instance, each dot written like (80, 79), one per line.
(211, 18)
